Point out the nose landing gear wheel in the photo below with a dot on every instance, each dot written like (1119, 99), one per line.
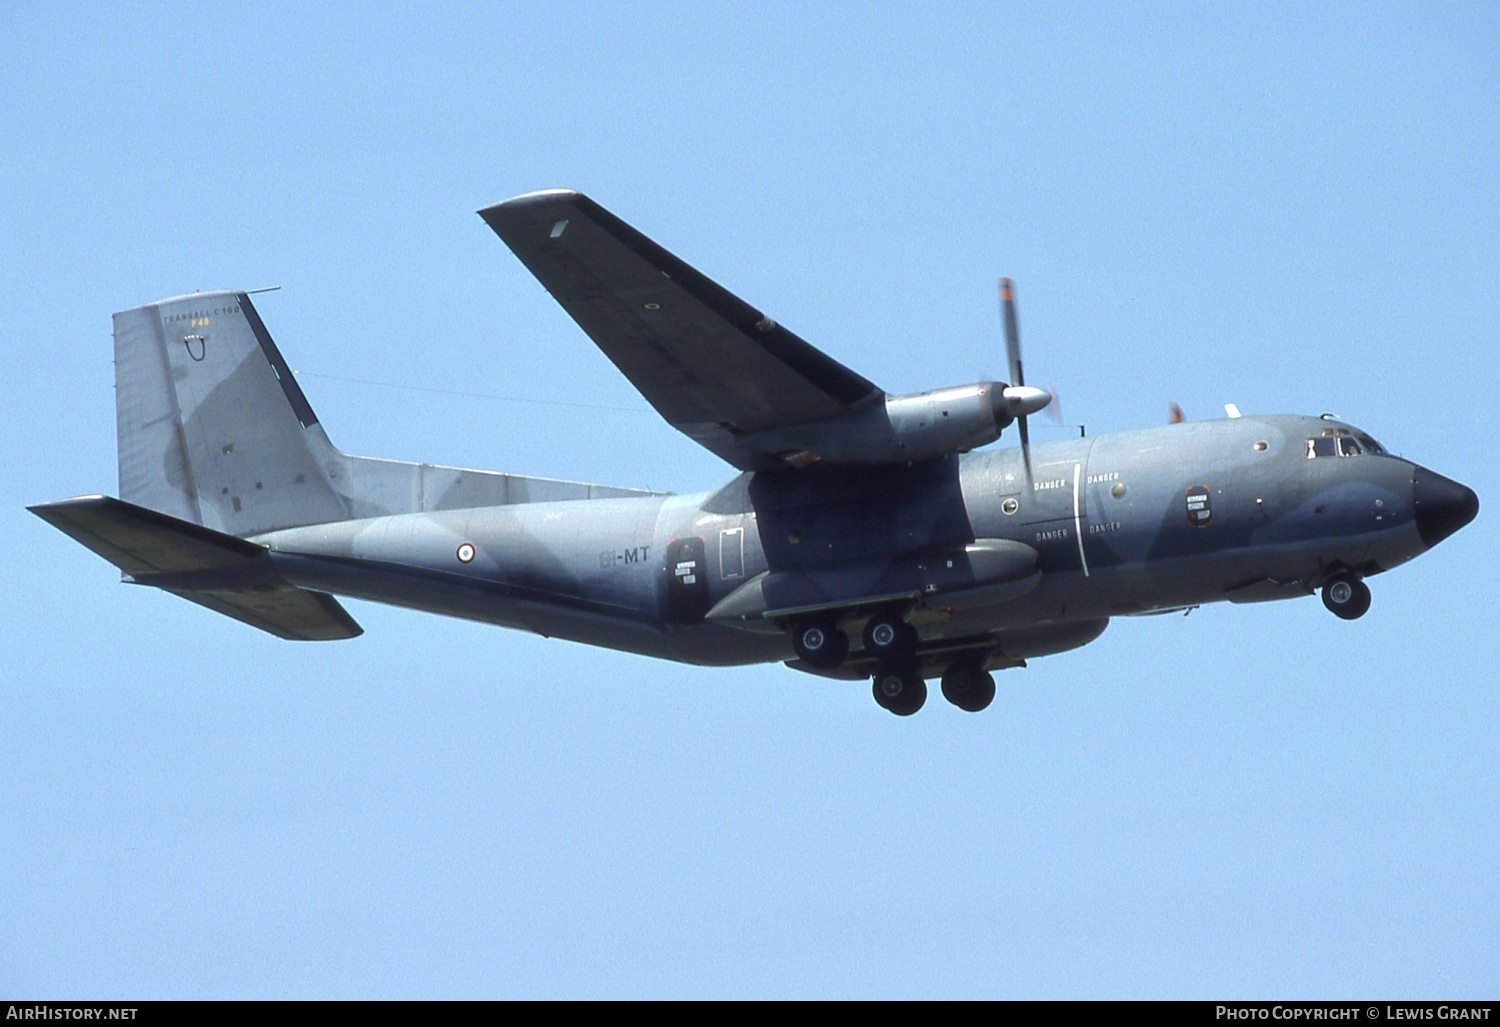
(820, 643)
(1346, 596)
(900, 691)
(968, 686)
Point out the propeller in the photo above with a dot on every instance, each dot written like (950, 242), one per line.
(1054, 408)
(1020, 399)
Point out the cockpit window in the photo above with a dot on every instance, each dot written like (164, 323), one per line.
(1371, 446)
(1331, 443)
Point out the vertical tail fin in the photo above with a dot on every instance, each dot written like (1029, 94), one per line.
(213, 428)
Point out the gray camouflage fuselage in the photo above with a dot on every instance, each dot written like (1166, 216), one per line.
(1108, 517)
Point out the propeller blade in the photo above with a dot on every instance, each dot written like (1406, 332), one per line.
(1012, 331)
(1025, 445)
(1019, 399)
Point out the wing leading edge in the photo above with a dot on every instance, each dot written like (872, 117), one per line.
(716, 368)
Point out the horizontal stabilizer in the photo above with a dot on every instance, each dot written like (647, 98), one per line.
(296, 614)
(142, 542)
(227, 575)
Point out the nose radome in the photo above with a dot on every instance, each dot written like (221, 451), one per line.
(1442, 505)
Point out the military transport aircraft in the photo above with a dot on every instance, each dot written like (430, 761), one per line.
(863, 539)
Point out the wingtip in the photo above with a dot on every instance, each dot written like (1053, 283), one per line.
(536, 199)
(73, 501)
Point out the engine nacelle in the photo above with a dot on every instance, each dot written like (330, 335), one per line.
(951, 420)
(900, 429)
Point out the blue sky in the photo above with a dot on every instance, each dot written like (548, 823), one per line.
(1293, 208)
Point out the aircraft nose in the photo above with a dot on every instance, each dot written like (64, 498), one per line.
(1442, 505)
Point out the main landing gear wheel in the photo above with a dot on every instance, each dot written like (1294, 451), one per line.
(1347, 596)
(890, 639)
(820, 643)
(968, 686)
(901, 691)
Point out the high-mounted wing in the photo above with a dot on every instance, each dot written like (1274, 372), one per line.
(716, 368)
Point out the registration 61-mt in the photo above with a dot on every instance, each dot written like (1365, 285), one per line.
(868, 536)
